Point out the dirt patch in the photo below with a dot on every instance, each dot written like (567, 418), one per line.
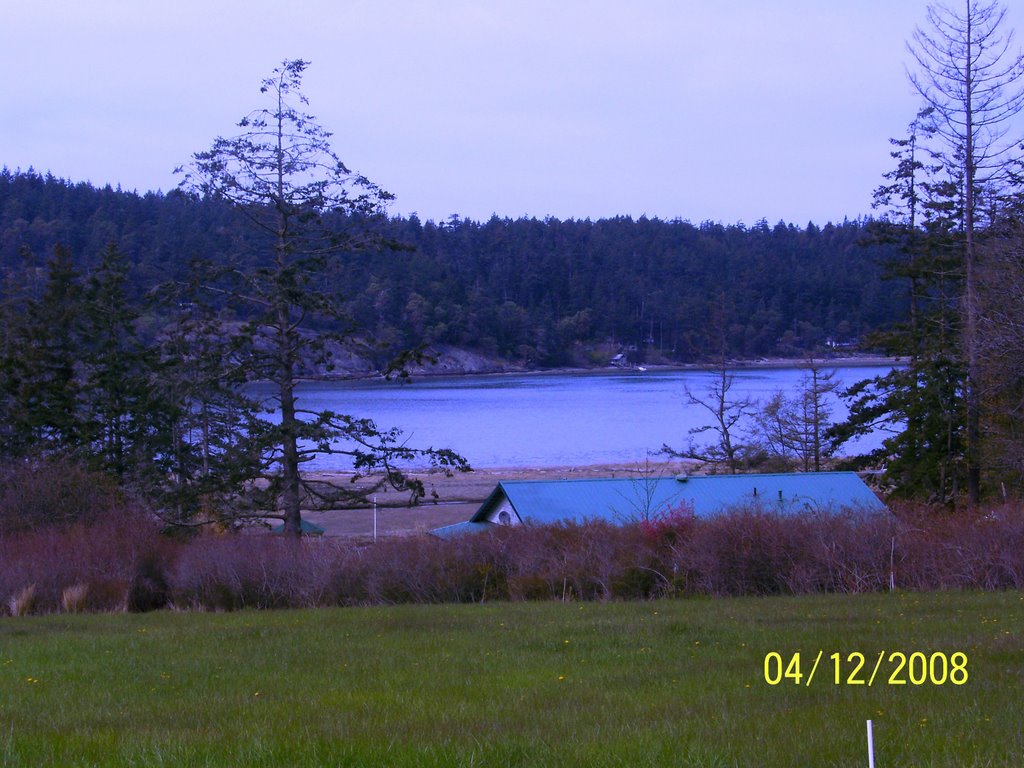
(391, 521)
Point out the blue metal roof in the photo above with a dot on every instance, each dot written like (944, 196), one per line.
(617, 500)
(622, 500)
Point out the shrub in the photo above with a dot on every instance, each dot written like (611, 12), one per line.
(148, 590)
(742, 552)
(670, 527)
(754, 552)
(231, 572)
(980, 550)
(38, 493)
(104, 555)
(122, 563)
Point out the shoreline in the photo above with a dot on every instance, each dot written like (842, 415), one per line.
(767, 363)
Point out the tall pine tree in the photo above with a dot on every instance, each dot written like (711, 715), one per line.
(307, 211)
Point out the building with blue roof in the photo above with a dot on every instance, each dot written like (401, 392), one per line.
(625, 500)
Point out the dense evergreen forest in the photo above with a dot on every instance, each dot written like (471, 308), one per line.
(533, 292)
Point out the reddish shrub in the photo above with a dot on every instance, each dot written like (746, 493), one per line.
(103, 556)
(670, 527)
(231, 572)
(754, 552)
(966, 550)
(123, 562)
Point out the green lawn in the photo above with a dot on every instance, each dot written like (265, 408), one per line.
(671, 683)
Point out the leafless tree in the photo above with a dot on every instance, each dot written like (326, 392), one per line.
(642, 503)
(730, 447)
(794, 427)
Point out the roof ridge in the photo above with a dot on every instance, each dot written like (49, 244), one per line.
(780, 474)
(588, 480)
(674, 476)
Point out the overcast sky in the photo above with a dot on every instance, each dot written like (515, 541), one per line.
(701, 110)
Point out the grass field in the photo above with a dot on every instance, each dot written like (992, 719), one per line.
(670, 683)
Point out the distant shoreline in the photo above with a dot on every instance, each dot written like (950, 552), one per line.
(439, 372)
(871, 361)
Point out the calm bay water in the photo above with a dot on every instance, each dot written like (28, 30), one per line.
(541, 420)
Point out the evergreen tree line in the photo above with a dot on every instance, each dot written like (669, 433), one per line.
(79, 381)
(167, 413)
(536, 292)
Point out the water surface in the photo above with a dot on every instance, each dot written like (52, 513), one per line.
(541, 420)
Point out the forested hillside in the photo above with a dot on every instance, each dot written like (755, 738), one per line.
(538, 292)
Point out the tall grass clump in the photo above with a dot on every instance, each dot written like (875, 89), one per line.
(21, 602)
(73, 598)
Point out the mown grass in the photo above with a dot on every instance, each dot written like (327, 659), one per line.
(666, 683)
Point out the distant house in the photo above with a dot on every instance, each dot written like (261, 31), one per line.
(623, 500)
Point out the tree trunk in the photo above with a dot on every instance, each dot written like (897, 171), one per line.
(972, 404)
(290, 497)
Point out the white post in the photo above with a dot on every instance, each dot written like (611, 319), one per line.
(374, 518)
(871, 747)
(892, 566)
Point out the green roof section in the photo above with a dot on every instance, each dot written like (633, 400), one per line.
(624, 500)
(306, 528)
(460, 529)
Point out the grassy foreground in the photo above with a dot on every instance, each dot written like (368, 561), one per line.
(670, 683)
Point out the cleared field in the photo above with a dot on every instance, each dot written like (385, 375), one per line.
(670, 683)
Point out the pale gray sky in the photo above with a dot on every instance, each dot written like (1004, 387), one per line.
(729, 111)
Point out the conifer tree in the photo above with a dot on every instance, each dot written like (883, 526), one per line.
(125, 421)
(215, 439)
(920, 404)
(41, 363)
(969, 74)
(307, 210)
